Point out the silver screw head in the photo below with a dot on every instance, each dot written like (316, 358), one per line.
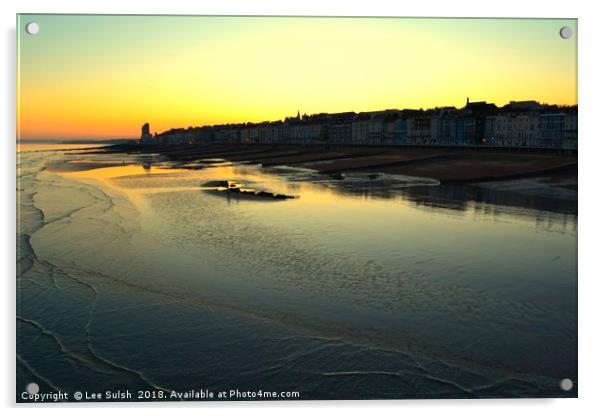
(566, 32)
(566, 384)
(32, 388)
(32, 28)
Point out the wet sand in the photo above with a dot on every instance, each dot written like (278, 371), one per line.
(337, 293)
(548, 173)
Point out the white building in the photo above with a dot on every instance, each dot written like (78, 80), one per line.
(516, 129)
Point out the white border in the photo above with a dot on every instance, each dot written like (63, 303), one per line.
(590, 148)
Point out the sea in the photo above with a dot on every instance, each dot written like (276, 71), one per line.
(131, 276)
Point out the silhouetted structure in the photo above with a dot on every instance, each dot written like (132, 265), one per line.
(518, 124)
(146, 137)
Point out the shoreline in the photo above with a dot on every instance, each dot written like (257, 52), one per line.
(489, 168)
(360, 330)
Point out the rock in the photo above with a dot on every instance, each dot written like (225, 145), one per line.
(234, 188)
(216, 184)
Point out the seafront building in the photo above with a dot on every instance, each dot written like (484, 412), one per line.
(145, 136)
(518, 124)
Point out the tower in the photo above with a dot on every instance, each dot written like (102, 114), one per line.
(145, 136)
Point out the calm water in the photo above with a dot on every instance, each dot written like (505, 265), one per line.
(133, 276)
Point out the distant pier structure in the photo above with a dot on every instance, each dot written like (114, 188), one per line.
(146, 137)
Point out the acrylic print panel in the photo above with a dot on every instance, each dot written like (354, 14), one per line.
(287, 208)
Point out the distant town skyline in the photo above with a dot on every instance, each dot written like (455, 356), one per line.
(87, 77)
(518, 124)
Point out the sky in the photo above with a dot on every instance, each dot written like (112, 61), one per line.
(98, 77)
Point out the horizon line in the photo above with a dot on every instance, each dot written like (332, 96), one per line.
(83, 138)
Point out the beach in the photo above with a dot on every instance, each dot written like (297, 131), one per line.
(550, 175)
(131, 273)
(443, 164)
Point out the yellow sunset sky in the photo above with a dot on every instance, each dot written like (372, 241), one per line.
(99, 77)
